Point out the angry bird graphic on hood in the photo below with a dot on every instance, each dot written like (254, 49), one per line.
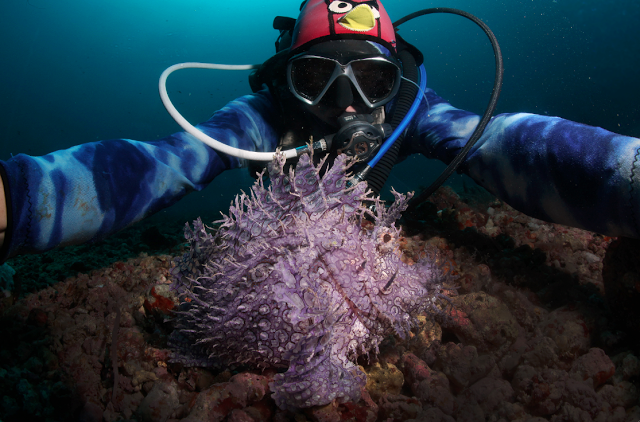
(324, 20)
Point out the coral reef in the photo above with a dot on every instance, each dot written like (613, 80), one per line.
(155, 235)
(294, 278)
(6, 277)
(531, 338)
(7, 285)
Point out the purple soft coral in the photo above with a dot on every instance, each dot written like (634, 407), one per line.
(292, 280)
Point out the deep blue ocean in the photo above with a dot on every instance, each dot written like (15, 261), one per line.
(79, 71)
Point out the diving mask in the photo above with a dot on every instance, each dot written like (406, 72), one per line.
(377, 79)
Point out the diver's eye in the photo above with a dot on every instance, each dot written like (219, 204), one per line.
(340, 6)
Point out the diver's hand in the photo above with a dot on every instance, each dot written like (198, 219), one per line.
(3, 212)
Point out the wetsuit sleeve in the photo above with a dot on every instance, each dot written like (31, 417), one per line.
(92, 190)
(547, 167)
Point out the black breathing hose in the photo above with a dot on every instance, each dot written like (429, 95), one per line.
(406, 95)
(417, 200)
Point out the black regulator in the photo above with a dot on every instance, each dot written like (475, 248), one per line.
(358, 136)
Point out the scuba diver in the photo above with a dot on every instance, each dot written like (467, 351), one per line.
(340, 65)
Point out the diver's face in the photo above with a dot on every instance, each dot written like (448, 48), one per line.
(340, 98)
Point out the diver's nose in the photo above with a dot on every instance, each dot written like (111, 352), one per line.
(344, 96)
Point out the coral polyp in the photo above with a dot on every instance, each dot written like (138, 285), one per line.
(293, 279)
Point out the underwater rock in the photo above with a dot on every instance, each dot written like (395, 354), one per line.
(159, 403)
(621, 275)
(594, 365)
(490, 393)
(430, 387)
(490, 326)
(384, 380)
(296, 278)
(462, 365)
(399, 408)
(570, 331)
(216, 402)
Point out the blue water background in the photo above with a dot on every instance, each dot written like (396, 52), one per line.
(79, 71)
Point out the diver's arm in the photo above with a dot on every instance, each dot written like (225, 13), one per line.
(92, 190)
(547, 167)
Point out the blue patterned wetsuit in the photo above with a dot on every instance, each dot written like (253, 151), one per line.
(547, 167)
